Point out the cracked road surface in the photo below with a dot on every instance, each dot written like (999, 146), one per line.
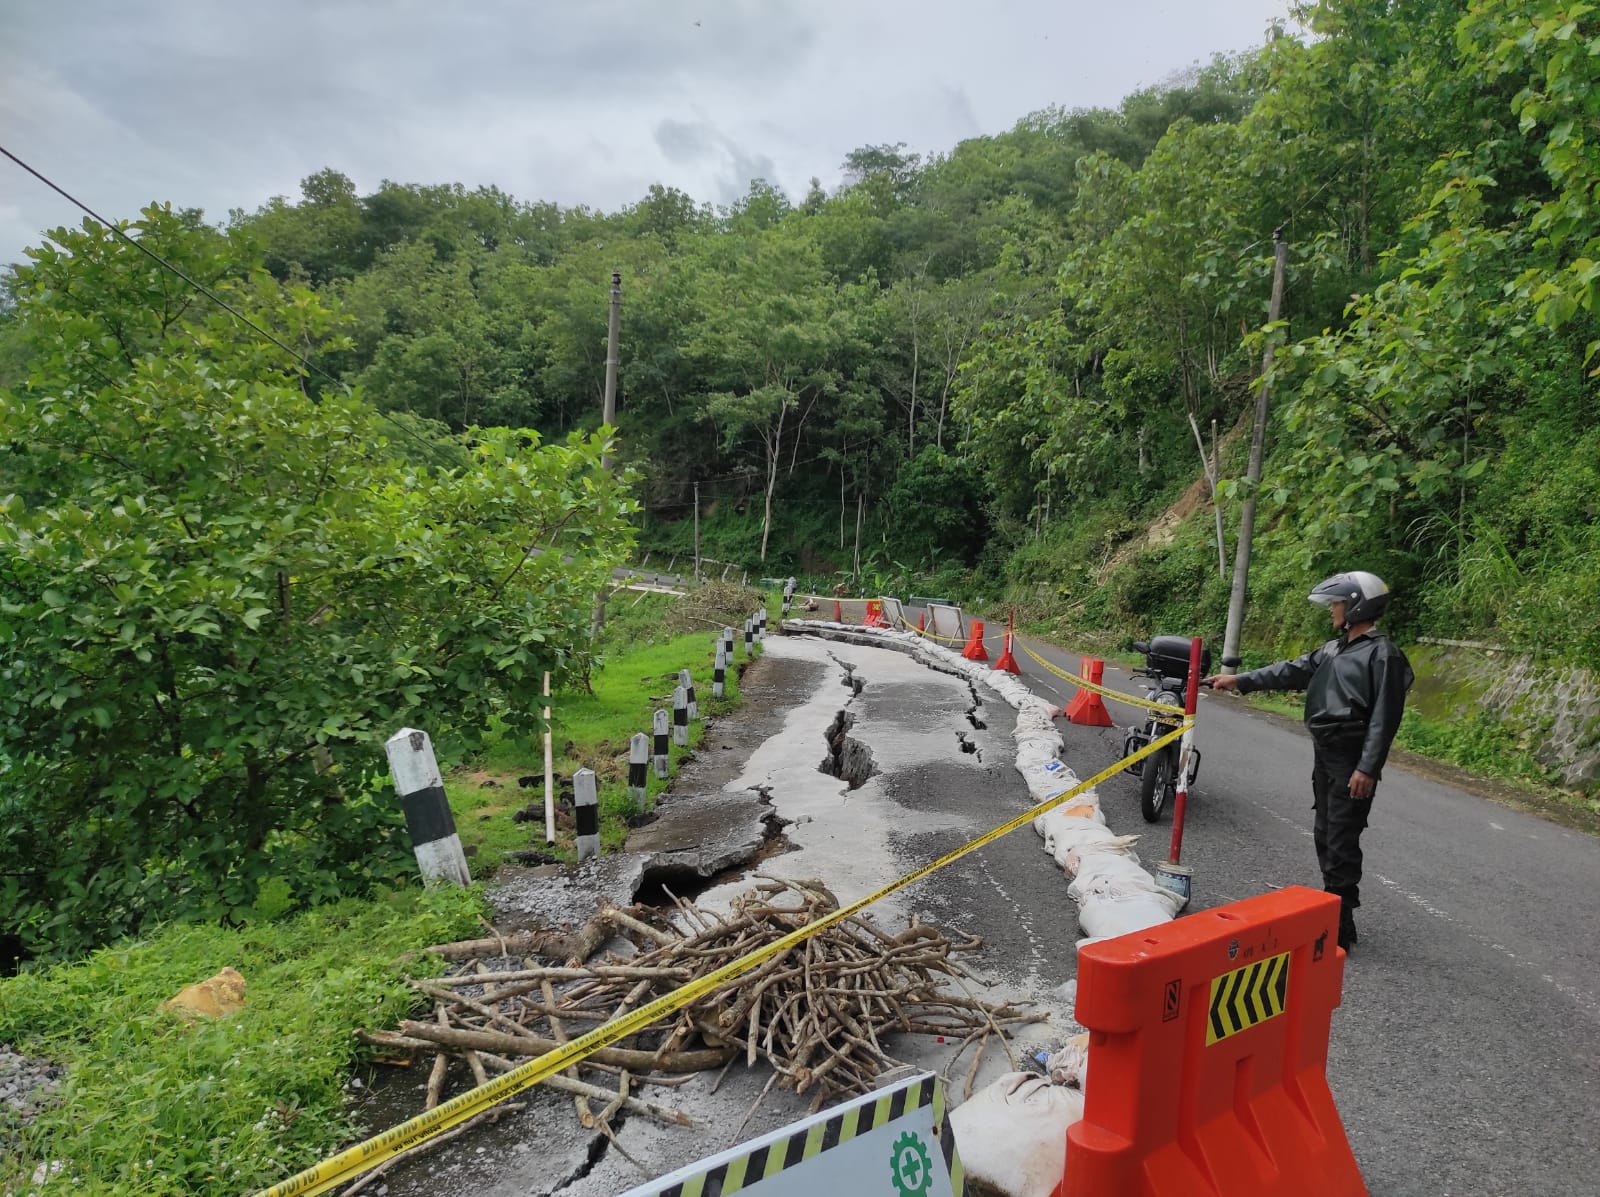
(870, 763)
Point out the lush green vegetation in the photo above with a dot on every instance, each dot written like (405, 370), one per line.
(153, 1105)
(992, 356)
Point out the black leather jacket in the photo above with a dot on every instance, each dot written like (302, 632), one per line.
(1355, 694)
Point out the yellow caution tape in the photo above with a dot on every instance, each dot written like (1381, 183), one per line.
(353, 1161)
(1115, 695)
(910, 627)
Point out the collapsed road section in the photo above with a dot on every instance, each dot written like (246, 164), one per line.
(761, 806)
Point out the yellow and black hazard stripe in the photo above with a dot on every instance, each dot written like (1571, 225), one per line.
(1247, 996)
(808, 1142)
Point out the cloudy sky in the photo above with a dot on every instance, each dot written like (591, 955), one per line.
(223, 105)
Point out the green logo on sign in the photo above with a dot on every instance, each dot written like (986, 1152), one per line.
(912, 1169)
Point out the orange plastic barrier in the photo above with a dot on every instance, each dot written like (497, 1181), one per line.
(975, 650)
(1087, 707)
(1008, 663)
(875, 617)
(1208, 1050)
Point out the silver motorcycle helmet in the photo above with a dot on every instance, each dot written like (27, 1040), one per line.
(1365, 596)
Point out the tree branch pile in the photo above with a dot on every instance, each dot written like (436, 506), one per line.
(818, 1014)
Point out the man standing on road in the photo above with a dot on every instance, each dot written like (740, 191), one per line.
(1355, 694)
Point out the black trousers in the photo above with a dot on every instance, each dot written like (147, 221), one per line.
(1340, 820)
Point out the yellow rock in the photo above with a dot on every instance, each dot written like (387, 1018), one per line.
(213, 997)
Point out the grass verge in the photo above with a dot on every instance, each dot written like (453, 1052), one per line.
(152, 1105)
(588, 731)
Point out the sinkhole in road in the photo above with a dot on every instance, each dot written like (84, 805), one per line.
(848, 758)
(664, 878)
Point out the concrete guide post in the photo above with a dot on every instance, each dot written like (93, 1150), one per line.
(421, 788)
(719, 672)
(686, 680)
(586, 806)
(661, 750)
(680, 717)
(639, 767)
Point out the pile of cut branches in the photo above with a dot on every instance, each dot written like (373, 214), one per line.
(818, 1013)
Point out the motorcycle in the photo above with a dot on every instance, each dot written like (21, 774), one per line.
(1165, 677)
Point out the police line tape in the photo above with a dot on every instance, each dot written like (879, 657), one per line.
(1160, 708)
(353, 1161)
(930, 635)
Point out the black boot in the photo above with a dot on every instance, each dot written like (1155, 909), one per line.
(1347, 927)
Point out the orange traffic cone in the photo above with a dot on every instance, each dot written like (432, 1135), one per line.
(1007, 662)
(1086, 707)
(838, 612)
(922, 622)
(974, 650)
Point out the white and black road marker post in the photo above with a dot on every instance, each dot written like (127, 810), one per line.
(680, 717)
(639, 767)
(428, 817)
(661, 750)
(727, 643)
(719, 673)
(686, 680)
(788, 596)
(586, 806)
(749, 638)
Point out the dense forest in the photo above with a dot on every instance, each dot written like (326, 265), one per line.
(1002, 356)
(998, 366)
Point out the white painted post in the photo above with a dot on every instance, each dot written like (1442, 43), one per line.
(719, 672)
(660, 729)
(749, 639)
(586, 806)
(727, 643)
(638, 768)
(680, 717)
(428, 818)
(788, 595)
(549, 772)
(686, 680)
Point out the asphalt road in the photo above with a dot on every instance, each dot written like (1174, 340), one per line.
(1465, 1057)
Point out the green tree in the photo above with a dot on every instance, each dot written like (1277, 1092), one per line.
(221, 594)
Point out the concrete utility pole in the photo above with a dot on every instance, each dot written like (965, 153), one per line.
(1258, 437)
(613, 359)
(697, 533)
(608, 412)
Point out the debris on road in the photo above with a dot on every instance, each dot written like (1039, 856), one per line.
(818, 1014)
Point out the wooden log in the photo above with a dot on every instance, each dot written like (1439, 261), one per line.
(536, 1045)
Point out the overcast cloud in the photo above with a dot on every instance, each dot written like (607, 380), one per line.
(222, 106)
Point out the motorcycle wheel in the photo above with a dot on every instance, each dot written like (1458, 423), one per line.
(1156, 784)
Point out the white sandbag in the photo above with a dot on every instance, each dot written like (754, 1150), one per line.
(1124, 888)
(1063, 832)
(1069, 1064)
(1012, 1135)
(1090, 862)
(1089, 939)
(1107, 918)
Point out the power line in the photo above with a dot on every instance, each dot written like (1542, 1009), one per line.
(306, 362)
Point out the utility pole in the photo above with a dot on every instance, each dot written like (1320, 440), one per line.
(697, 533)
(1258, 437)
(609, 411)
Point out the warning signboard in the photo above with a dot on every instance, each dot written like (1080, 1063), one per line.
(892, 1143)
(1247, 996)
